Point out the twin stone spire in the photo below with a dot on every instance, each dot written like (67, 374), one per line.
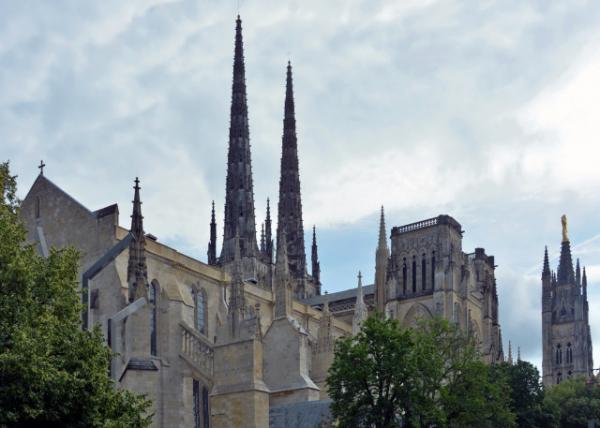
(240, 218)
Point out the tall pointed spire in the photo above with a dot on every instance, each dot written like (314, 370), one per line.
(283, 298)
(137, 271)
(546, 271)
(510, 358)
(268, 234)
(382, 255)
(578, 274)
(360, 309)
(316, 266)
(518, 353)
(212, 244)
(290, 201)
(565, 265)
(239, 192)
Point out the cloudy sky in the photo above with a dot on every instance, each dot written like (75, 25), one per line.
(484, 110)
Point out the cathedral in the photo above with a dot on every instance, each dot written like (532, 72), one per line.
(247, 337)
(566, 335)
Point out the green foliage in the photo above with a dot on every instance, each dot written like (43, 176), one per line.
(574, 402)
(369, 376)
(526, 394)
(52, 374)
(429, 376)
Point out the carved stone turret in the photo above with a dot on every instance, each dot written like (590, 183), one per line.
(360, 309)
(268, 234)
(382, 255)
(316, 265)
(212, 244)
(137, 271)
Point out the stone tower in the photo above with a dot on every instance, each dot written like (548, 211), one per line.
(239, 192)
(566, 336)
(289, 215)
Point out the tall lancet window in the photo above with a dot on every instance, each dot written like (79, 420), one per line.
(423, 272)
(569, 353)
(404, 276)
(433, 270)
(197, 405)
(414, 274)
(201, 310)
(200, 405)
(152, 293)
(558, 355)
(205, 407)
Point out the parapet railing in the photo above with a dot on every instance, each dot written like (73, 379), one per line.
(418, 225)
(197, 350)
(441, 219)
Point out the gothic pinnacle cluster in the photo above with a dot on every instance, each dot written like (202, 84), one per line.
(566, 335)
(257, 260)
(382, 254)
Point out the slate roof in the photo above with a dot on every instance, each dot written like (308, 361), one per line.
(340, 295)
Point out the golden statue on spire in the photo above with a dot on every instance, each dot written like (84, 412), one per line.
(565, 230)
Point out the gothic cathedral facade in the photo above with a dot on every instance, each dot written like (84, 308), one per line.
(246, 338)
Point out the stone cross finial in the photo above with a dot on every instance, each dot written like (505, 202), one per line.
(41, 167)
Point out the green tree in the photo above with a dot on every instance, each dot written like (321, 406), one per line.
(526, 394)
(574, 402)
(369, 380)
(429, 376)
(454, 385)
(52, 374)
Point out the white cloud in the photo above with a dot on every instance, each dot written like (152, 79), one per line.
(485, 111)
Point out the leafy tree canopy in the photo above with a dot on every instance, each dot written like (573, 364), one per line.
(52, 374)
(574, 402)
(429, 376)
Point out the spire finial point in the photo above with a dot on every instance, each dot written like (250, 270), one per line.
(565, 228)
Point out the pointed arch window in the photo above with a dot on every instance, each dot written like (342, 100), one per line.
(558, 378)
(433, 270)
(558, 356)
(404, 276)
(423, 272)
(414, 274)
(152, 299)
(569, 353)
(201, 310)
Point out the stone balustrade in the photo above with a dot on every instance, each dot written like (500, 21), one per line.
(196, 350)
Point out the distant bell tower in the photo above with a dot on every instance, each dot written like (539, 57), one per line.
(566, 336)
